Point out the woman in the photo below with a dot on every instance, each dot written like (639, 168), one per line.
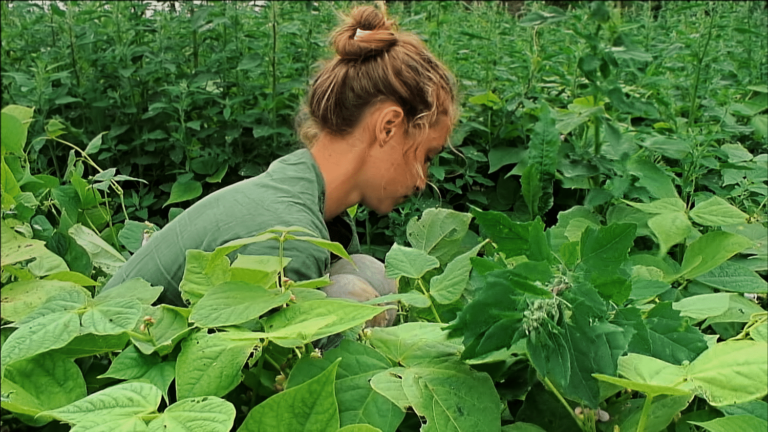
(377, 113)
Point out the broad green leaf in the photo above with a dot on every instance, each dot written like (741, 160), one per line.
(359, 428)
(671, 337)
(90, 344)
(711, 250)
(759, 333)
(16, 248)
(543, 150)
(184, 191)
(663, 410)
(61, 301)
(43, 334)
(20, 112)
(717, 212)
(408, 262)
(389, 385)
(161, 375)
(521, 427)
(334, 247)
(649, 370)
(41, 383)
(112, 316)
(671, 148)
(131, 364)
(652, 178)
(95, 144)
(670, 229)
(207, 413)
(118, 402)
(232, 303)
(755, 408)
(234, 245)
(14, 134)
(136, 288)
(730, 276)
(347, 315)
(531, 187)
(411, 298)
(487, 98)
(101, 253)
(740, 309)
(132, 234)
(451, 396)
(649, 389)
(169, 328)
(448, 286)
(21, 298)
(112, 424)
(501, 156)
(542, 17)
(438, 232)
(47, 263)
(308, 407)
(311, 283)
(576, 228)
(756, 232)
(703, 306)
(210, 364)
(414, 343)
(741, 423)
(605, 249)
(511, 238)
(203, 271)
(358, 402)
(662, 206)
(496, 306)
(729, 373)
(257, 270)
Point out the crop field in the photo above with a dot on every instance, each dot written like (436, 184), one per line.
(591, 255)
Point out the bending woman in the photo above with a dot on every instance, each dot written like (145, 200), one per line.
(376, 114)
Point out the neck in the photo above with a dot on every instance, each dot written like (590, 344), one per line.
(340, 161)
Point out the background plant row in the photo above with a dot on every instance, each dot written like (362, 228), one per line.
(203, 95)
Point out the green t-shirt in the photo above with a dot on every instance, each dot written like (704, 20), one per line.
(290, 193)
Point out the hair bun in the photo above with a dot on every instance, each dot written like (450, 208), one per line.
(366, 32)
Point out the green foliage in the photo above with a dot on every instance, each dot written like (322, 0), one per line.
(597, 228)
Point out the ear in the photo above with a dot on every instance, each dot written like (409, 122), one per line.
(390, 121)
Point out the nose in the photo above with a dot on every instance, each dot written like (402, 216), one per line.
(419, 188)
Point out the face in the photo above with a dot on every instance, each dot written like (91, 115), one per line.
(400, 169)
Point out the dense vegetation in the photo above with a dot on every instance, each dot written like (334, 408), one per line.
(601, 225)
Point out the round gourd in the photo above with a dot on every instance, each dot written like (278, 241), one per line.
(356, 288)
(368, 268)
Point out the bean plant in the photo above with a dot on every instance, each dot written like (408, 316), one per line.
(591, 255)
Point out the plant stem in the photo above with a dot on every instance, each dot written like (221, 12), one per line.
(282, 270)
(645, 413)
(272, 362)
(562, 400)
(694, 99)
(274, 72)
(432, 306)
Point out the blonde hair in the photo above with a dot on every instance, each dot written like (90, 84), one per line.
(375, 63)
